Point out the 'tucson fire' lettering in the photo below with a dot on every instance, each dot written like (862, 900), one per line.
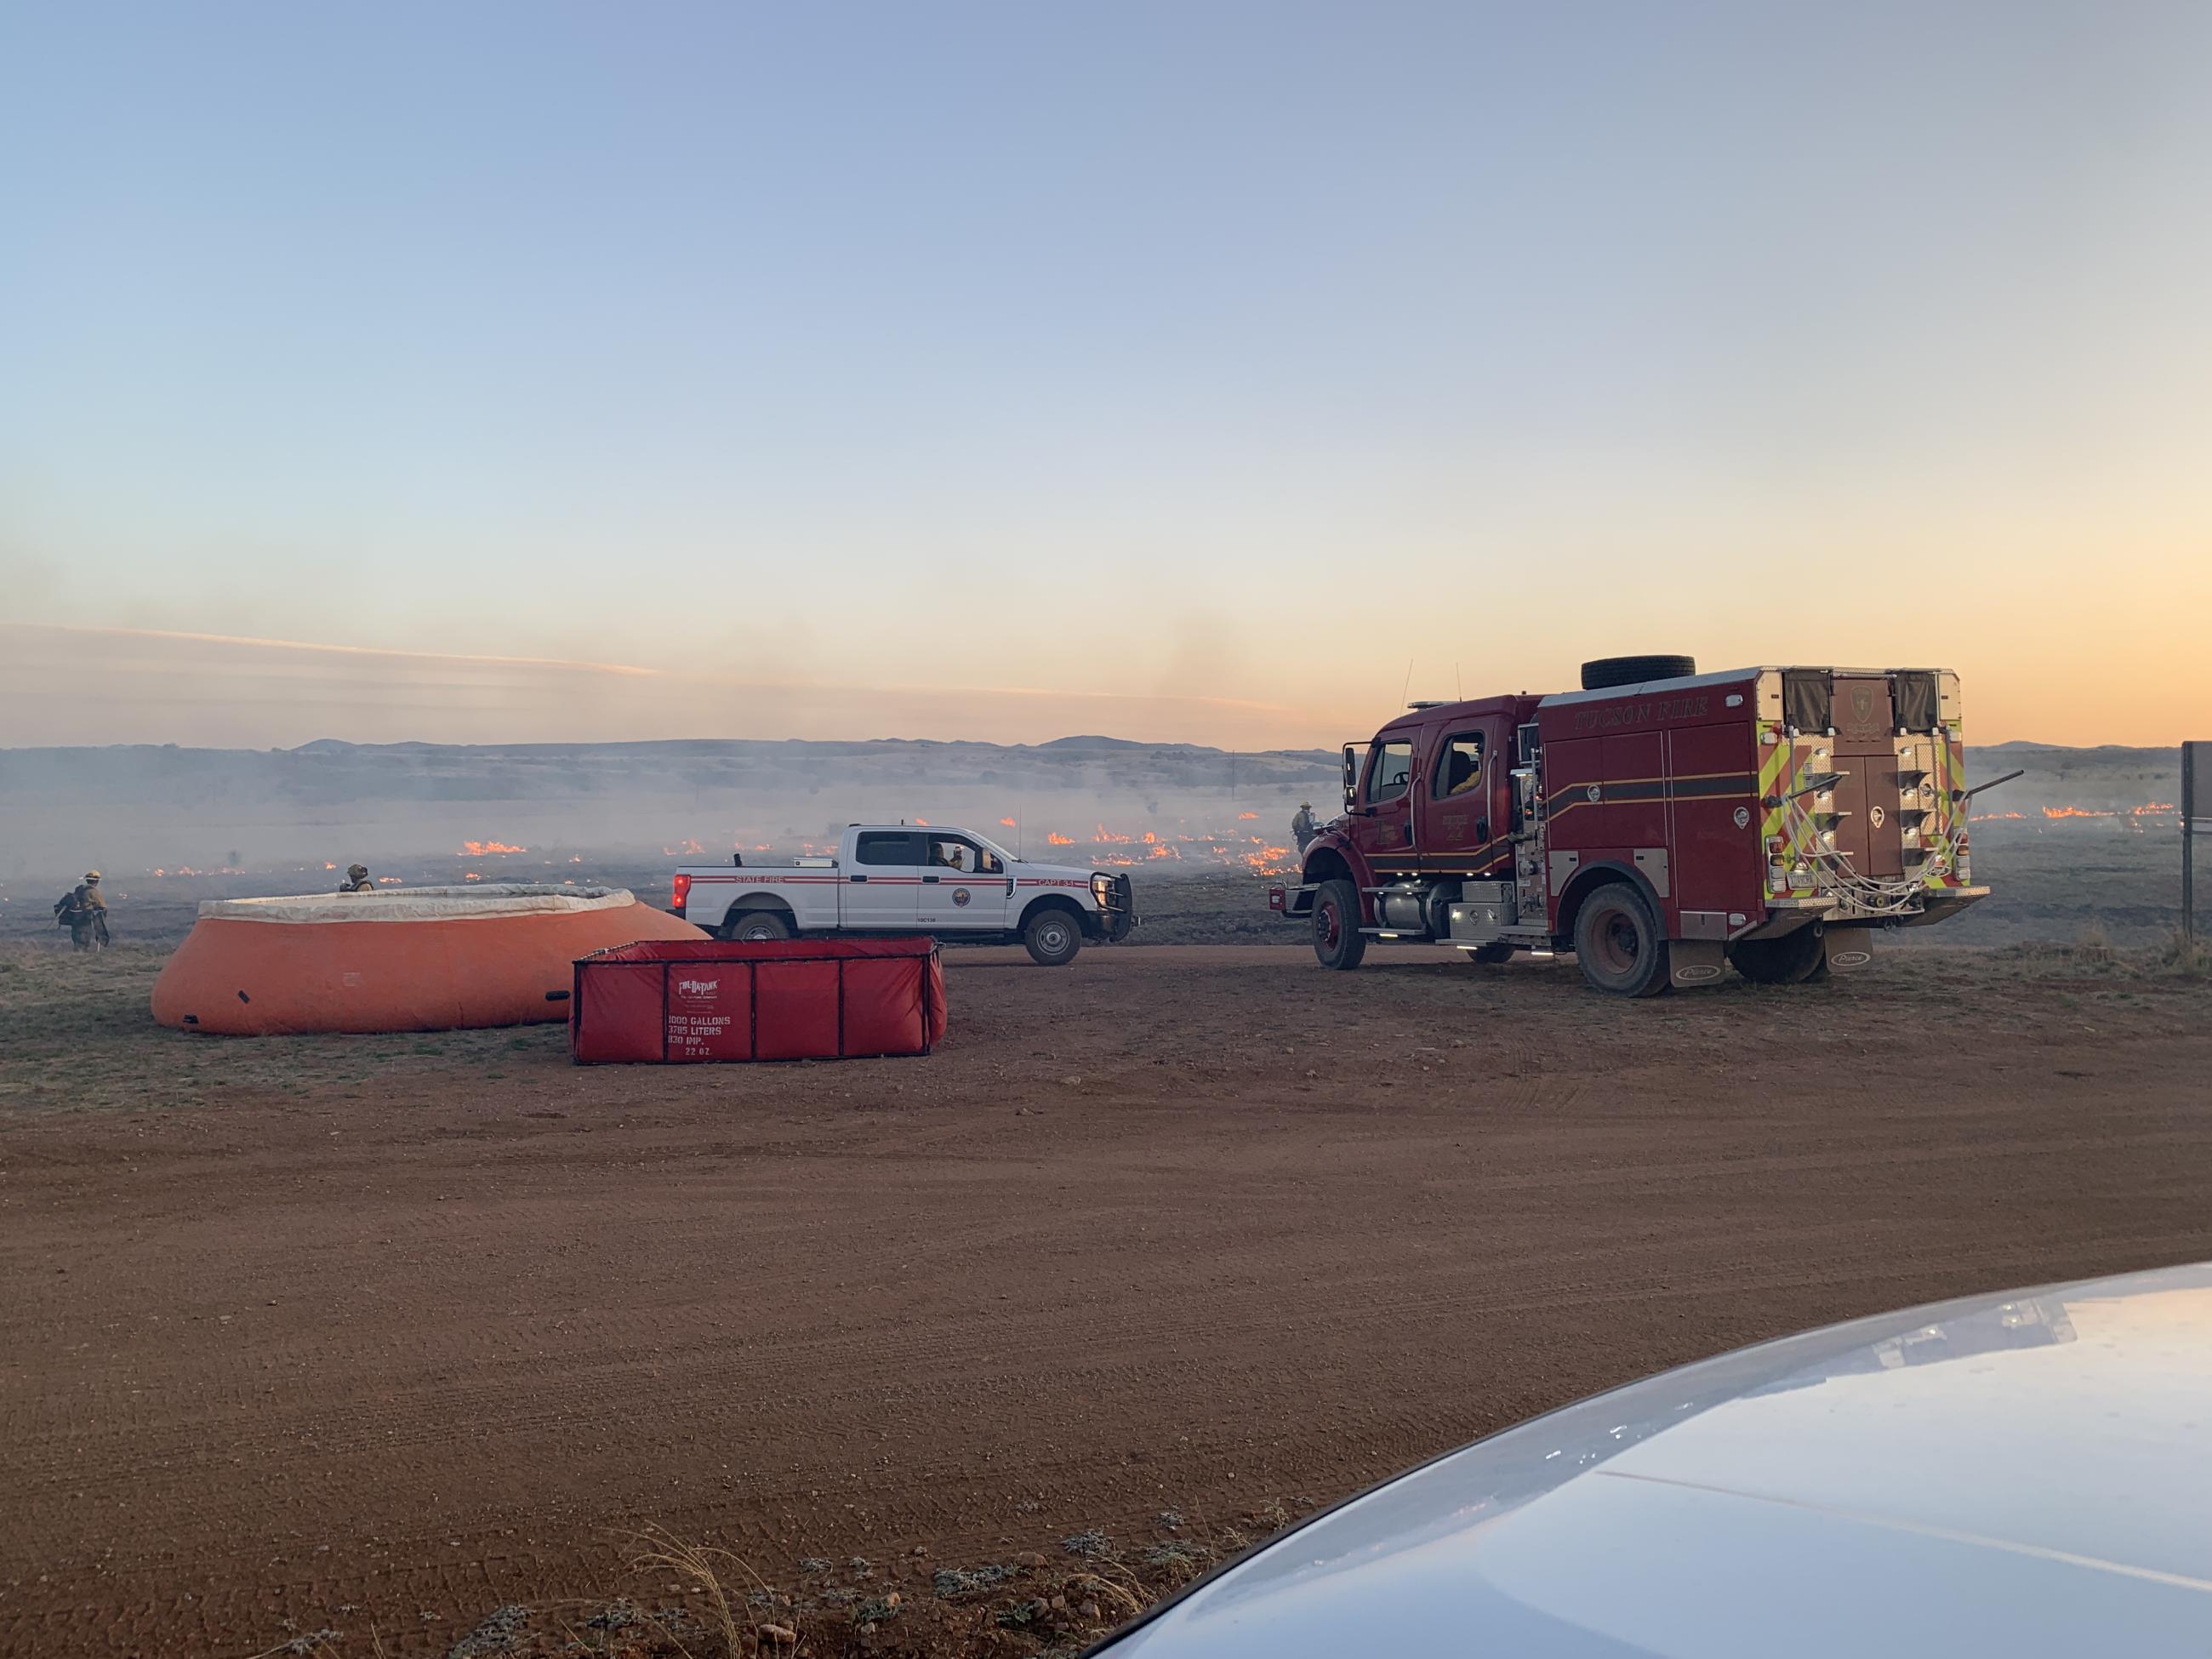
(1613, 715)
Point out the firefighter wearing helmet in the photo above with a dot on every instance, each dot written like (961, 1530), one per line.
(357, 880)
(84, 912)
(1302, 827)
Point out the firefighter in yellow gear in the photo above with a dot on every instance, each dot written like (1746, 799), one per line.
(84, 912)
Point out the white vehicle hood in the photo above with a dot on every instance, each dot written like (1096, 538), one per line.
(2020, 1475)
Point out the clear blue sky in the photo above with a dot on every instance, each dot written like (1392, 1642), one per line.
(1315, 339)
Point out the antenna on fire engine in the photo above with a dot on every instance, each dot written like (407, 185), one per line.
(1458, 688)
(1408, 690)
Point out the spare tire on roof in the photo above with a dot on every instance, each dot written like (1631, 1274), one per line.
(1605, 673)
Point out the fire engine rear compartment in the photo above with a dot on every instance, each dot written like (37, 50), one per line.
(1658, 784)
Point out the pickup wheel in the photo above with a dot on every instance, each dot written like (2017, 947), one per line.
(1052, 938)
(1338, 942)
(1790, 960)
(758, 924)
(1617, 943)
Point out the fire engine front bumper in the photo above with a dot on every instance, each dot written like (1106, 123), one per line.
(1295, 904)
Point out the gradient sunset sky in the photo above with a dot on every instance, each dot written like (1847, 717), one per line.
(1176, 371)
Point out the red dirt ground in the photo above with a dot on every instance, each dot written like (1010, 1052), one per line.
(350, 1332)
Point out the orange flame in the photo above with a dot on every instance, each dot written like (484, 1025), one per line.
(683, 847)
(1060, 841)
(476, 849)
(1009, 824)
(1106, 837)
(1243, 817)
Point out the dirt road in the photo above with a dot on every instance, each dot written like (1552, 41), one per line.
(385, 1332)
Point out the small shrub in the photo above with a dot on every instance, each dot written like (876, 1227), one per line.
(964, 1581)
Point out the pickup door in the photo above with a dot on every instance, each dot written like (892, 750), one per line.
(884, 881)
(964, 887)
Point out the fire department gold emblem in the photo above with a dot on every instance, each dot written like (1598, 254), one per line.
(960, 896)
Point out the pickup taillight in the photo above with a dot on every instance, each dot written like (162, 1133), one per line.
(679, 891)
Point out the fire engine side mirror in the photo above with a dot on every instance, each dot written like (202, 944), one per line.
(1351, 777)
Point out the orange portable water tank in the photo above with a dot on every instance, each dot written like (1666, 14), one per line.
(430, 959)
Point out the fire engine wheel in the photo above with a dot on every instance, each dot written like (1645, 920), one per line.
(756, 925)
(1052, 938)
(1617, 943)
(1790, 960)
(1338, 941)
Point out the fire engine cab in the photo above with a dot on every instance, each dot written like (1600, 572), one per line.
(1660, 823)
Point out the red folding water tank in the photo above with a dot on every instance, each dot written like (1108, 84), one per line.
(708, 999)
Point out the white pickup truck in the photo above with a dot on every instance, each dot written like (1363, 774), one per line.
(911, 878)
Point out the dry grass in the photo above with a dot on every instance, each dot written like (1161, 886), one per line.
(78, 1033)
(696, 1564)
(2092, 955)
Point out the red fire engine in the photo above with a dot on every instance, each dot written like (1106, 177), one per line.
(1658, 823)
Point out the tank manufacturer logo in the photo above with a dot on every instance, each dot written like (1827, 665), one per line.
(697, 987)
(1875, 816)
(1615, 714)
(1742, 816)
(1592, 793)
(960, 896)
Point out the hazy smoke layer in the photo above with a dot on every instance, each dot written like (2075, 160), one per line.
(135, 808)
